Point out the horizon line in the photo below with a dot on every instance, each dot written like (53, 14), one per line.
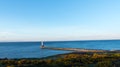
(62, 40)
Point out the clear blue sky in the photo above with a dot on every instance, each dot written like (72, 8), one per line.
(34, 20)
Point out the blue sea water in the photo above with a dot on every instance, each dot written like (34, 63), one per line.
(33, 50)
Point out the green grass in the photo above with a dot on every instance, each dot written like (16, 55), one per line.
(67, 60)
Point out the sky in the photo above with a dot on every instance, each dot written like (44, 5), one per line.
(36, 20)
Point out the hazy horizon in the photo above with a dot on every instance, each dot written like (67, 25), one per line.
(56, 20)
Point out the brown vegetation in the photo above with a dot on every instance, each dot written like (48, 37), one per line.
(68, 60)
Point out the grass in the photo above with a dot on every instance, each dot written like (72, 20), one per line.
(76, 59)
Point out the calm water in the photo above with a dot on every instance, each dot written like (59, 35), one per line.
(32, 49)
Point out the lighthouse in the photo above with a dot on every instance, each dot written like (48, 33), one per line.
(42, 45)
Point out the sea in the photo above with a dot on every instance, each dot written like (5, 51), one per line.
(32, 49)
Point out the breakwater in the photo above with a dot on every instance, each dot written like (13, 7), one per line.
(75, 49)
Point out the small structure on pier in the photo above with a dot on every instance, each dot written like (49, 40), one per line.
(42, 45)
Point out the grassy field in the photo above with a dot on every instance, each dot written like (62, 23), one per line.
(75, 59)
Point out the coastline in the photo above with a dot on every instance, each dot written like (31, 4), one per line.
(83, 59)
(57, 55)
